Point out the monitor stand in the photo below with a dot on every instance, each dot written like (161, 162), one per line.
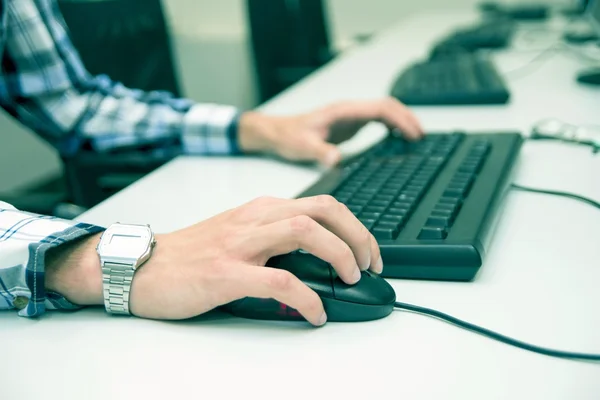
(589, 76)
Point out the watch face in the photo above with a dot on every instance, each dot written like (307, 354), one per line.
(125, 242)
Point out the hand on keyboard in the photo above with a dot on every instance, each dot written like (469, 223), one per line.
(312, 136)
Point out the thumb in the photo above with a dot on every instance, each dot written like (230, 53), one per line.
(324, 152)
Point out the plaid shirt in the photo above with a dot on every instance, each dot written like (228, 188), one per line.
(45, 86)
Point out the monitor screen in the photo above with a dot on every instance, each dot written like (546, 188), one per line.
(593, 12)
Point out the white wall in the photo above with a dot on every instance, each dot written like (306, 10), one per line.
(212, 49)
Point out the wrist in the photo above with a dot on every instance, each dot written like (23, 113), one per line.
(73, 270)
(256, 132)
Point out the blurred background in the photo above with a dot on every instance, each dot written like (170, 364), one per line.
(208, 50)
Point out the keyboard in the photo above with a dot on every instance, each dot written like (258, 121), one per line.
(519, 11)
(496, 35)
(464, 79)
(430, 204)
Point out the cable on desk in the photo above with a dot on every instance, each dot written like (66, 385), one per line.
(536, 61)
(544, 55)
(496, 336)
(574, 196)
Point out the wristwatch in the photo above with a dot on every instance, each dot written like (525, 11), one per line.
(122, 249)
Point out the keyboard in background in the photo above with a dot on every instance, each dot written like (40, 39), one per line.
(464, 79)
(520, 11)
(489, 35)
(430, 204)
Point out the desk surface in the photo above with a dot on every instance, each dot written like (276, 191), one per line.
(539, 282)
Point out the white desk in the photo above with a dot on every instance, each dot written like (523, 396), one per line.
(539, 282)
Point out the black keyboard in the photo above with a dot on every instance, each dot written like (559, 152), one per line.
(518, 11)
(465, 79)
(430, 204)
(494, 35)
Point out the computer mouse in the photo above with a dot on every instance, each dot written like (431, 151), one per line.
(370, 299)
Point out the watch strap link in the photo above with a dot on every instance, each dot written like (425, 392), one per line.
(116, 279)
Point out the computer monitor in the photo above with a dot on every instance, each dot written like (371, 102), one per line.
(592, 13)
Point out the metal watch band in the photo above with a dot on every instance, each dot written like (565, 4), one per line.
(116, 283)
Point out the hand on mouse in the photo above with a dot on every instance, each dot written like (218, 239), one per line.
(222, 259)
(312, 136)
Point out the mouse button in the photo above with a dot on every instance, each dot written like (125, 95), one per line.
(370, 290)
(313, 271)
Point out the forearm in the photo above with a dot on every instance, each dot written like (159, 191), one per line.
(54, 95)
(25, 242)
(73, 271)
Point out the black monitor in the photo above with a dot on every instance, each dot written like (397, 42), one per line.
(592, 13)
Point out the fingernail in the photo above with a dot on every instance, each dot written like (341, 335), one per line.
(356, 276)
(332, 158)
(366, 264)
(322, 320)
(378, 267)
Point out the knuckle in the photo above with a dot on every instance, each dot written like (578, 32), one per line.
(280, 280)
(344, 208)
(391, 102)
(326, 202)
(365, 236)
(347, 255)
(313, 304)
(263, 200)
(301, 225)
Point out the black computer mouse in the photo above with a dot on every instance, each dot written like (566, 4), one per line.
(370, 299)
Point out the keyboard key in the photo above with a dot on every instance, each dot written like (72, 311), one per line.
(389, 191)
(435, 233)
(456, 191)
(450, 214)
(444, 207)
(370, 215)
(369, 190)
(385, 231)
(398, 211)
(362, 195)
(449, 200)
(368, 223)
(437, 221)
(357, 202)
(386, 197)
(355, 209)
(397, 220)
(407, 198)
(378, 202)
(375, 209)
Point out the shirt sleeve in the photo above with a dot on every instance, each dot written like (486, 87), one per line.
(45, 85)
(24, 240)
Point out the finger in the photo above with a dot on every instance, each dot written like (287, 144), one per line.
(302, 232)
(314, 148)
(283, 286)
(376, 260)
(389, 111)
(334, 216)
(397, 116)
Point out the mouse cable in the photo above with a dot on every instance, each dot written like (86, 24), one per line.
(574, 196)
(496, 336)
(532, 65)
(543, 55)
